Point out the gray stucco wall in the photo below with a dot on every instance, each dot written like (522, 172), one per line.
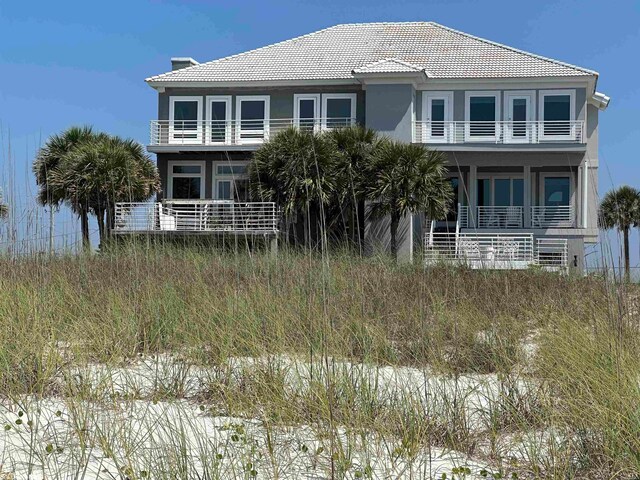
(390, 110)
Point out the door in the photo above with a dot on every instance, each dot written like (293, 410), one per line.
(518, 115)
(218, 119)
(437, 112)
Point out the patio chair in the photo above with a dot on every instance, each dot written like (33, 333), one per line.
(167, 222)
(513, 218)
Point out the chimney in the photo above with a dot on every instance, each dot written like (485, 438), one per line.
(182, 62)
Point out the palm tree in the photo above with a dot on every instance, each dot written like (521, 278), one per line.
(100, 172)
(295, 169)
(4, 208)
(406, 178)
(354, 146)
(620, 209)
(47, 163)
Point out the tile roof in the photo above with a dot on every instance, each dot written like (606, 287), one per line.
(335, 52)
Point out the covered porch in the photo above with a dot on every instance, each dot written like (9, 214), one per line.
(519, 197)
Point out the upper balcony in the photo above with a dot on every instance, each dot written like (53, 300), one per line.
(513, 133)
(245, 134)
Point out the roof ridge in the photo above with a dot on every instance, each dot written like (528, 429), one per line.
(513, 49)
(154, 77)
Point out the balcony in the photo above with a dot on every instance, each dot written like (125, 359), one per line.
(197, 216)
(498, 251)
(512, 217)
(508, 132)
(215, 133)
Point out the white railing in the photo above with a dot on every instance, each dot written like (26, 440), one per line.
(480, 250)
(502, 132)
(552, 253)
(499, 217)
(561, 216)
(463, 216)
(197, 216)
(233, 132)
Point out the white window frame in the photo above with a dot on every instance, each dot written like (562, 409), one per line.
(544, 175)
(572, 114)
(530, 134)
(467, 115)
(267, 116)
(171, 175)
(316, 108)
(336, 96)
(227, 126)
(427, 97)
(227, 177)
(173, 131)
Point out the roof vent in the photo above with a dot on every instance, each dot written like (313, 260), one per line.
(182, 62)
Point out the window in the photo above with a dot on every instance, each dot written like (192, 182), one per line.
(502, 191)
(185, 115)
(452, 214)
(306, 111)
(231, 182)
(218, 119)
(557, 191)
(437, 112)
(186, 180)
(481, 113)
(557, 111)
(252, 118)
(339, 109)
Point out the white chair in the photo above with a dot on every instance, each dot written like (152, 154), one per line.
(167, 222)
(513, 218)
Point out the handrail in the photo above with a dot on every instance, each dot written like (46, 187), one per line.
(501, 132)
(196, 216)
(234, 132)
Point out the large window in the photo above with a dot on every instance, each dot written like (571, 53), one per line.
(338, 109)
(500, 191)
(252, 118)
(437, 113)
(185, 119)
(306, 111)
(218, 119)
(482, 112)
(557, 191)
(186, 180)
(231, 182)
(557, 111)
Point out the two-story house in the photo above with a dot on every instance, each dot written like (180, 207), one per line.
(520, 132)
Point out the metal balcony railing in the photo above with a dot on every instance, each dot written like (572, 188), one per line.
(215, 216)
(233, 132)
(561, 216)
(502, 132)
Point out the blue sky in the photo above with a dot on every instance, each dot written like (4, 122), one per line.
(78, 62)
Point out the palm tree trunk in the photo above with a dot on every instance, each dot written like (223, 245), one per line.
(101, 227)
(627, 273)
(395, 221)
(84, 227)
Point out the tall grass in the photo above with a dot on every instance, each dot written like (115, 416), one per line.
(352, 366)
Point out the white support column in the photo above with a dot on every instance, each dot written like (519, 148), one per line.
(473, 187)
(527, 195)
(585, 194)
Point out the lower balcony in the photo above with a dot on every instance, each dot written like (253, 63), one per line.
(512, 217)
(497, 251)
(197, 216)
